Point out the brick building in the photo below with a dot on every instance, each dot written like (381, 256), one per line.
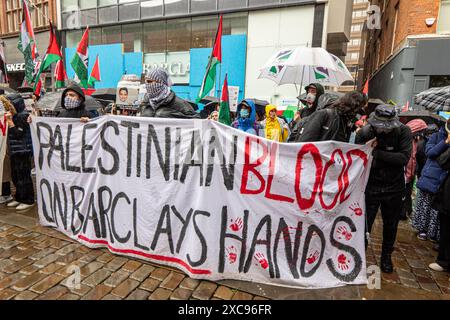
(407, 45)
(10, 19)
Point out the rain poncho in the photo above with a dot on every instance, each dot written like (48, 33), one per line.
(274, 129)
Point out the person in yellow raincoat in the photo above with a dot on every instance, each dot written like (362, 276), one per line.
(275, 128)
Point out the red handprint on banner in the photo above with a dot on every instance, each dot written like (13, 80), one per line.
(236, 225)
(231, 254)
(343, 233)
(343, 262)
(313, 257)
(262, 260)
(356, 208)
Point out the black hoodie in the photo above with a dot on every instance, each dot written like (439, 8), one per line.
(77, 112)
(19, 137)
(306, 112)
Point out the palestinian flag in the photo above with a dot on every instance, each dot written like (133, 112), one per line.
(211, 70)
(80, 61)
(52, 55)
(366, 88)
(95, 74)
(38, 88)
(224, 112)
(60, 75)
(3, 73)
(27, 44)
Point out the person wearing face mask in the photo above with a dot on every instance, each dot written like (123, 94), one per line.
(392, 143)
(161, 102)
(20, 151)
(73, 103)
(246, 118)
(333, 123)
(313, 92)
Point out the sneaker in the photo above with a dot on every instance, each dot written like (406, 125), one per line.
(436, 267)
(33, 171)
(6, 199)
(422, 236)
(13, 204)
(24, 206)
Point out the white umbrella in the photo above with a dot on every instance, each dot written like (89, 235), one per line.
(302, 66)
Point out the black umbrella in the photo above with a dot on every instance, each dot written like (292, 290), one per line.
(427, 116)
(434, 99)
(209, 99)
(52, 102)
(105, 94)
(8, 90)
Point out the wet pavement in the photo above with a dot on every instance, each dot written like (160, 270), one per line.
(34, 264)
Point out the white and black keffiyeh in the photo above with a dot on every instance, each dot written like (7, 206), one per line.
(157, 92)
(434, 99)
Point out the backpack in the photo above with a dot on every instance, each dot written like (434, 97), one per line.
(297, 130)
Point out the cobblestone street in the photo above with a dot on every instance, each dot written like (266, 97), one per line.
(35, 261)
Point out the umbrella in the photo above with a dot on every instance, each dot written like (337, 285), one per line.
(209, 99)
(8, 90)
(427, 116)
(105, 94)
(305, 65)
(434, 99)
(52, 102)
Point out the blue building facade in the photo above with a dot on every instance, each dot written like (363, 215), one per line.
(114, 63)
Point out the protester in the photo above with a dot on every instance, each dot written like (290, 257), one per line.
(161, 101)
(214, 116)
(441, 203)
(20, 147)
(418, 128)
(275, 128)
(392, 142)
(246, 118)
(334, 123)
(313, 93)
(5, 107)
(426, 219)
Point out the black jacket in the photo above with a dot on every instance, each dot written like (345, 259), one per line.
(19, 136)
(172, 107)
(441, 201)
(389, 159)
(324, 125)
(74, 113)
(421, 157)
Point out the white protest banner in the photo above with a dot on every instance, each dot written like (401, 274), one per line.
(210, 200)
(233, 95)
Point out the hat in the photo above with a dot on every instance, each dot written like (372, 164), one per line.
(384, 117)
(417, 125)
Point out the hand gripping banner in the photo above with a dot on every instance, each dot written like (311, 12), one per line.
(210, 200)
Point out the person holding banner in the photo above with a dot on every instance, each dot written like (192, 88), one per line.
(21, 148)
(73, 103)
(392, 142)
(334, 123)
(161, 101)
(5, 107)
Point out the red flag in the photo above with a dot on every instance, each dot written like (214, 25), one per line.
(95, 73)
(60, 74)
(406, 107)
(366, 88)
(217, 51)
(38, 89)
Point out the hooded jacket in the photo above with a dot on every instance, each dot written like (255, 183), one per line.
(441, 202)
(79, 112)
(274, 128)
(306, 112)
(248, 125)
(432, 174)
(416, 127)
(390, 157)
(19, 137)
(172, 107)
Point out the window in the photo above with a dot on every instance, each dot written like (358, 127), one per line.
(111, 35)
(132, 37)
(232, 4)
(95, 36)
(395, 29)
(176, 7)
(155, 37)
(444, 17)
(14, 14)
(68, 5)
(72, 38)
(204, 31)
(356, 27)
(178, 35)
(203, 5)
(439, 81)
